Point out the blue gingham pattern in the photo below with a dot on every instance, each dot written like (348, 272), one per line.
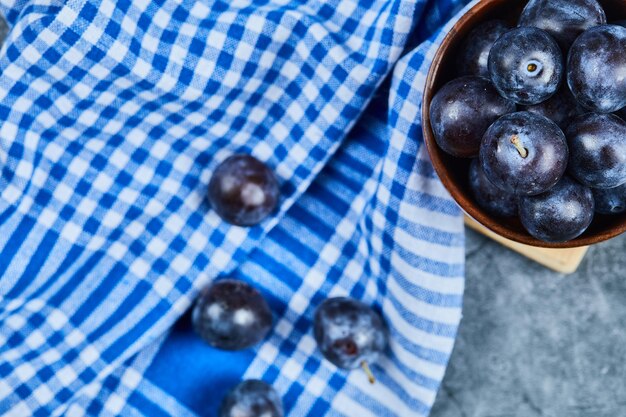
(113, 115)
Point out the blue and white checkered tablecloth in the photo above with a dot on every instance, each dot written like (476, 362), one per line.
(113, 115)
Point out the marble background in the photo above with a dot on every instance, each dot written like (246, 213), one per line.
(536, 343)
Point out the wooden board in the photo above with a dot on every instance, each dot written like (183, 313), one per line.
(561, 260)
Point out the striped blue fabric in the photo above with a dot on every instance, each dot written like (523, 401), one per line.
(113, 115)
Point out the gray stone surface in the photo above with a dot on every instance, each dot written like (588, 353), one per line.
(536, 343)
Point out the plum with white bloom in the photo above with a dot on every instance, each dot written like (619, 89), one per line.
(231, 315)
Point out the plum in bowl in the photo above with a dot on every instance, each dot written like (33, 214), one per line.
(533, 56)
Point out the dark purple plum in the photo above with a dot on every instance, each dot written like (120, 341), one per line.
(524, 153)
(561, 108)
(462, 110)
(559, 215)
(610, 200)
(526, 65)
(252, 398)
(349, 333)
(4, 29)
(597, 145)
(488, 196)
(565, 20)
(596, 68)
(474, 51)
(243, 190)
(231, 315)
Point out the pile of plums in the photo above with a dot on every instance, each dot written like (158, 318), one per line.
(232, 315)
(541, 108)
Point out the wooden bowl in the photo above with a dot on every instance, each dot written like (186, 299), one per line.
(453, 172)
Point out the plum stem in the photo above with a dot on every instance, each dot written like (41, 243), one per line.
(368, 372)
(518, 145)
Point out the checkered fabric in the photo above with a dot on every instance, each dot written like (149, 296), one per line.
(113, 114)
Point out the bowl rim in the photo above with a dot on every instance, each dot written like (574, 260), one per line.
(465, 203)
